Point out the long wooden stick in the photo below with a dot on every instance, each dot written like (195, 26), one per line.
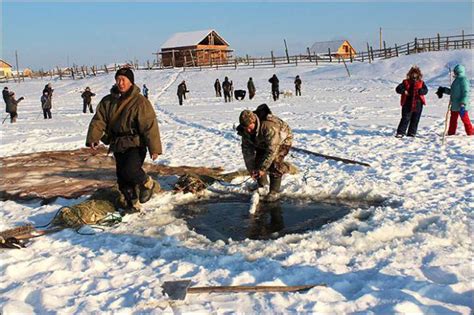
(254, 288)
(448, 112)
(329, 157)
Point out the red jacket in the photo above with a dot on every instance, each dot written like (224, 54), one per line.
(418, 85)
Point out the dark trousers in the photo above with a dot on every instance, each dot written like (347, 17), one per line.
(218, 93)
(47, 113)
(409, 120)
(87, 105)
(227, 96)
(275, 94)
(128, 167)
(13, 116)
(180, 99)
(278, 166)
(251, 94)
(298, 91)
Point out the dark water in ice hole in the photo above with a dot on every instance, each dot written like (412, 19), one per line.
(224, 218)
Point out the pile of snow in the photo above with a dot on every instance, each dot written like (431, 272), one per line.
(411, 254)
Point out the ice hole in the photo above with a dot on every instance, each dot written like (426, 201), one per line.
(229, 217)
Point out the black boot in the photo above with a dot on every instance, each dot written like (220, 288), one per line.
(275, 185)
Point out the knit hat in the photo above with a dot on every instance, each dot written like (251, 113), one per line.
(246, 118)
(126, 72)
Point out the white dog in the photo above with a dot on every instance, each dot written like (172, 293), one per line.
(287, 93)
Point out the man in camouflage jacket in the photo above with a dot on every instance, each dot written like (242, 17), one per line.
(266, 140)
(127, 122)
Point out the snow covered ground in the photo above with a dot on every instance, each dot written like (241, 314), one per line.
(413, 254)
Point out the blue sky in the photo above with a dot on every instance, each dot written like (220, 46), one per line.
(50, 34)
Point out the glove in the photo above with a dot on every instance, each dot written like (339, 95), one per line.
(462, 111)
(440, 92)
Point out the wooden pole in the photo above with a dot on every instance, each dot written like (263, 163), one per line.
(368, 52)
(286, 51)
(463, 36)
(330, 56)
(416, 45)
(384, 50)
(396, 50)
(309, 54)
(372, 52)
(59, 73)
(17, 68)
(439, 42)
(273, 59)
(380, 35)
(347, 69)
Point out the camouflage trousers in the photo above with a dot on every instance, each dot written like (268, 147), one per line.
(278, 166)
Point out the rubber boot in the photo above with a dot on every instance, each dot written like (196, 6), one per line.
(275, 185)
(147, 189)
(261, 182)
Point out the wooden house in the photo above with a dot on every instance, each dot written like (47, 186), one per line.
(197, 48)
(5, 69)
(338, 49)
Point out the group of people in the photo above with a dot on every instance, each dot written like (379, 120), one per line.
(126, 121)
(413, 90)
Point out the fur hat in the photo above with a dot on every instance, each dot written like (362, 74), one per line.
(247, 117)
(126, 72)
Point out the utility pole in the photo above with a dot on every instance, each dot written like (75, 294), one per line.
(17, 69)
(68, 61)
(380, 38)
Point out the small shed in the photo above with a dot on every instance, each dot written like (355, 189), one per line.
(197, 48)
(5, 69)
(338, 48)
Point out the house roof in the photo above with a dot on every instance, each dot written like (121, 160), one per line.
(3, 61)
(188, 39)
(322, 47)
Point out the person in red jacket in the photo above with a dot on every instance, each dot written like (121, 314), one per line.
(413, 91)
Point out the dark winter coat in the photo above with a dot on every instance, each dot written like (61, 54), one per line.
(251, 87)
(227, 86)
(5, 94)
(416, 94)
(298, 82)
(87, 96)
(182, 89)
(12, 104)
(217, 86)
(49, 90)
(136, 124)
(46, 102)
(275, 83)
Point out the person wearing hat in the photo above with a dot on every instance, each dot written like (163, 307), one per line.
(126, 121)
(266, 140)
(251, 88)
(46, 105)
(275, 87)
(145, 90)
(87, 99)
(297, 86)
(182, 90)
(5, 94)
(12, 106)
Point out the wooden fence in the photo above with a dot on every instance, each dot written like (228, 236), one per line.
(418, 45)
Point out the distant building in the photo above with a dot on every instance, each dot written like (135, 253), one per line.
(338, 48)
(197, 48)
(5, 69)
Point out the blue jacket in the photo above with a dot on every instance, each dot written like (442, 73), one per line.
(460, 90)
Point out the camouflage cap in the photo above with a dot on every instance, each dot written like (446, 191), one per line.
(247, 117)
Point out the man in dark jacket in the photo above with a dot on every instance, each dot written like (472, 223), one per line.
(48, 88)
(182, 90)
(251, 88)
(217, 88)
(298, 85)
(46, 105)
(5, 94)
(275, 87)
(227, 88)
(126, 121)
(87, 99)
(12, 106)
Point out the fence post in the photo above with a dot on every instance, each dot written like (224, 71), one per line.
(368, 52)
(384, 50)
(316, 58)
(59, 73)
(296, 60)
(329, 52)
(309, 54)
(235, 64)
(72, 73)
(408, 48)
(439, 42)
(447, 43)
(462, 38)
(429, 44)
(350, 54)
(248, 61)
(253, 62)
(396, 50)
(372, 52)
(148, 64)
(273, 59)
(416, 45)
(106, 69)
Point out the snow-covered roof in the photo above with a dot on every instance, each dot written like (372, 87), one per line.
(188, 39)
(322, 47)
(3, 61)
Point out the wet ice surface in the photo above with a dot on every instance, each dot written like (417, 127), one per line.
(229, 218)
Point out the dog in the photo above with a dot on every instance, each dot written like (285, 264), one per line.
(240, 94)
(287, 93)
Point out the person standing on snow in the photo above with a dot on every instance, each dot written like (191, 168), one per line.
(217, 88)
(12, 106)
(126, 121)
(182, 90)
(459, 94)
(275, 87)
(413, 91)
(251, 88)
(46, 105)
(266, 140)
(87, 99)
(145, 91)
(297, 86)
(227, 88)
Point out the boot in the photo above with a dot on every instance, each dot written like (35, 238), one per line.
(147, 189)
(261, 182)
(275, 185)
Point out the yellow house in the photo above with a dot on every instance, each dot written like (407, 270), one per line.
(338, 48)
(5, 69)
